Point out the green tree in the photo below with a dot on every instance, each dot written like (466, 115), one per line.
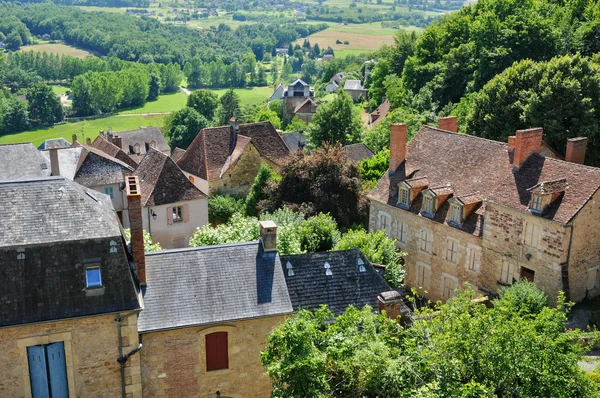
(181, 127)
(336, 122)
(257, 191)
(371, 170)
(13, 41)
(204, 102)
(230, 106)
(222, 207)
(14, 115)
(82, 96)
(265, 114)
(319, 233)
(44, 105)
(296, 125)
(155, 87)
(148, 245)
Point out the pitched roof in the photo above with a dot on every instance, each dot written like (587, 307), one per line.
(177, 153)
(68, 160)
(54, 143)
(162, 182)
(581, 183)
(216, 149)
(353, 85)
(96, 168)
(143, 136)
(298, 81)
(380, 113)
(50, 227)
(212, 284)
(22, 161)
(305, 106)
(294, 140)
(309, 285)
(112, 150)
(358, 152)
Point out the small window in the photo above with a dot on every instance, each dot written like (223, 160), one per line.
(136, 149)
(93, 277)
(177, 213)
(452, 251)
(217, 351)
(527, 274)
(404, 198)
(48, 370)
(536, 203)
(423, 275)
(456, 214)
(428, 205)
(385, 222)
(507, 275)
(449, 285)
(109, 191)
(426, 240)
(402, 232)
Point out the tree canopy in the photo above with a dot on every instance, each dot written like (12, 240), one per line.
(181, 127)
(336, 122)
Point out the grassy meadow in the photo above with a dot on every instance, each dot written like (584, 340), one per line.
(57, 48)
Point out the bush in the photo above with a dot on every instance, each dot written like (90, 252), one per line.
(148, 245)
(238, 229)
(523, 298)
(371, 170)
(319, 233)
(222, 207)
(257, 191)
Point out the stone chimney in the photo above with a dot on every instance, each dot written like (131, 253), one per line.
(54, 164)
(527, 142)
(268, 236)
(391, 302)
(397, 146)
(134, 200)
(448, 123)
(576, 150)
(118, 141)
(88, 141)
(234, 124)
(74, 138)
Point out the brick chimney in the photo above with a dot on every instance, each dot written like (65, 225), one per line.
(234, 124)
(397, 145)
(118, 141)
(74, 138)
(576, 150)
(134, 200)
(88, 141)
(54, 164)
(391, 302)
(511, 141)
(268, 236)
(448, 123)
(527, 142)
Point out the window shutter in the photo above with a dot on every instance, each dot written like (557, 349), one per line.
(169, 216)
(592, 276)
(427, 281)
(36, 357)
(217, 356)
(58, 370)
(186, 213)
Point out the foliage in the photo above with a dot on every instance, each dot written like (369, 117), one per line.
(461, 349)
(296, 125)
(257, 191)
(319, 233)
(378, 249)
(267, 115)
(222, 207)
(148, 245)
(336, 122)
(561, 95)
(372, 169)
(320, 182)
(204, 102)
(44, 105)
(181, 127)
(14, 115)
(237, 229)
(524, 298)
(230, 105)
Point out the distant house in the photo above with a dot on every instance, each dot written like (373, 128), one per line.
(277, 94)
(103, 144)
(281, 51)
(355, 89)
(357, 152)
(227, 158)
(335, 82)
(135, 143)
(54, 143)
(306, 110)
(22, 161)
(294, 95)
(380, 113)
(331, 87)
(327, 57)
(45, 36)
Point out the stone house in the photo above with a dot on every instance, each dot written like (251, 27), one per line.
(69, 301)
(379, 114)
(485, 213)
(357, 152)
(335, 82)
(173, 207)
(306, 110)
(295, 94)
(135, 143)
(226, 159)
(355, 89)
(277, 93)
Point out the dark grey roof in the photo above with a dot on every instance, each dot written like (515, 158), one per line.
(54, 143)
(358, 152)
(212, 284)
(53, 209)
(353, 85)
(294, 140)
(22, 161)
(97, 168)
(68, 160)
(143, 137)
(309, 286)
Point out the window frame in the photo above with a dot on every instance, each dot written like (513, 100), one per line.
(387, 226)
(225, 354)
(507, 278)
(88, 285)
(537, 203)
(426, 240)
(455, 210)
(473, 260)
(402, 232)
(452, 249)
(448, 294)
(428, 206)
(111, 194)
(177, 213)
(423, 275)
(403, 191)
(529, 234)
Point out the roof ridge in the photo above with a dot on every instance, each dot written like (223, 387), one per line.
(157, 179)
(436, 129)
(202, 248)
(28, 180)
(597, 169)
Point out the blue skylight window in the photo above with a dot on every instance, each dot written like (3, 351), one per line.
(93, 278)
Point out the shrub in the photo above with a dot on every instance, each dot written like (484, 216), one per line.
(523, 298)
(148, 245)
(222, 207)
(238, 229)
(319, 233)
(257, 192)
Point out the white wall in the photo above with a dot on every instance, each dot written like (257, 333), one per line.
(118, 200)
(198, 182)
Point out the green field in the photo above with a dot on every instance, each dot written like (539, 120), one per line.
(57, 48)
(248, 96)
(164, 103)
(84, 129)
(59, 89)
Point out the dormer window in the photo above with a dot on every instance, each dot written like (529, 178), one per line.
(404, 197)
(545, 193)
(409, 189)
(136, 149)
(455, 215)
(536, 203)
(428, 205)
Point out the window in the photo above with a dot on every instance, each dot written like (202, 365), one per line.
(177, 214)
(452, 251)
(217, 352)
(191, 179)
(426, 241)
(536, 203)
(404, 197)
(527, 274)
(385, 222)
(449, 285)
(48, 370)
(402, 232)
(427, 205)
(473, 257)
(456, 214)
(109, 192)
(93, 277)
(592, 278)
(136, 149)
(507, 274)
(532, 234)
(423, 275)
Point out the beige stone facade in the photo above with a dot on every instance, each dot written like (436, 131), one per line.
(91, 350)
(174, 361)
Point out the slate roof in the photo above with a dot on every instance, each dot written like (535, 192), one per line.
(162, 182)
(22, 161)
(143, 137)
(50, 227)
(309, 286)
(353, 85)
(54, 143)
(358, 152)
(294, 140)
(177, 153)
(216, 149)
(338, 77)
(68, 160)
(96, 168)
(112, 150)
(212, 284)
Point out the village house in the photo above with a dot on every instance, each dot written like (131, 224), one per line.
(294, 141)
(173, 207)
(335, 82)
(355, 89)
(306, 110)
(357, 152)
(70, 298)
(379, 114)
(277, 93)
(54, 143)
(135, 143)
(294, 95)
(485, 213)
(18, 161)
(226, 159)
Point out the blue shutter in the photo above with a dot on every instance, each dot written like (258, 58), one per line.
(37, 372)
(58, 370)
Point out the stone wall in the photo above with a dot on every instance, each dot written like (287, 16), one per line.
(91, 352)
(174, 361)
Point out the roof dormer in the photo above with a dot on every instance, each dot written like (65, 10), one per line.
(545, 193)
(433, 198)
(409, 189)
(461, 207)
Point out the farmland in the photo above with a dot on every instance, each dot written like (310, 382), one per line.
(57, 48)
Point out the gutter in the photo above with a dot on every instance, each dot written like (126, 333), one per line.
(123, 358)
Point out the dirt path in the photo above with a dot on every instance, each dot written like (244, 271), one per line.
(185, 90)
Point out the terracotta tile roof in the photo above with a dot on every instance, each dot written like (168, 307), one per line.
(177, 153)
(162, 182)
(444, 190)
(112, 150)
(581, 183)
(550, 187)
(305, 106)
(470, 198)
(418, 182)
(380, 113)
(143, 137)
(209, 154)
(96, 168)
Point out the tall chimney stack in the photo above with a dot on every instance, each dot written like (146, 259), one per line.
(74, 138)
(576, 150)
(234, 123)
(54, 164)
(88, 141)
(448, 123)
(268, 236)
(118, 141)
(527, 142)
(134, 200)
(397, 146)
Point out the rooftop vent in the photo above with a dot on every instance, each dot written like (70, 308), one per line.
(328, 269)
(361, 265)
(290, 269)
